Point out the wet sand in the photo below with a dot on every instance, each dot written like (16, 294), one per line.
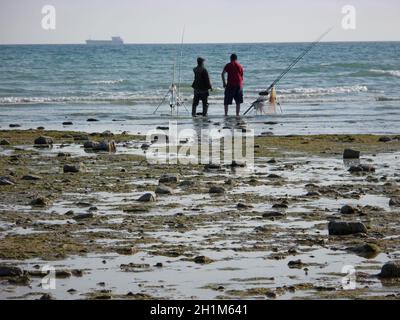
(263, 235)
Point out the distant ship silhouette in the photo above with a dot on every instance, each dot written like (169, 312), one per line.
(115, 41)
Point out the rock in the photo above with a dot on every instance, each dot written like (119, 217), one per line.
(297, 264)
(217, 190)
(202, 260)
(83, 216)
(67, 123)
(368, 250)
(107, 146)
(42, 140)
(242, 206)
(273, 214)
(390, 270)
(169, 178)
(40, 202)
(282, 205)
(187, 183)
(351, 154)
(73, 168)
(92, 120)
(346, 228)
(212, 166)
(9, 271)
(385, 139)
(46, 296)
(14, 125)
(272, 161)
(5, 182)
(40, 128)
(394, 202)
(274, 176)
(238, 164)
(4, 142)
(164, 190)
(147, 197)
(145, 146)
(347, 209)
(362, 168)
(63, 155)
(31, 178)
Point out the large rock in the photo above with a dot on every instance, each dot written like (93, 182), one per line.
(362, 168)
(390, 270)
(107, 146)
(169, 178)
(40, 202)
(368, 250)
(347, 209)
(351, 154)
(217, 190)
(394, 202)
(147, 197)
(346, 228)
(164, 190)
(75, 168)
(9, 271)
(44, 141)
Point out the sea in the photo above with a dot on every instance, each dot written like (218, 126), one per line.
(338, 88)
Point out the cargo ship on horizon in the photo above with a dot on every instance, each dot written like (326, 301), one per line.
(115, 41)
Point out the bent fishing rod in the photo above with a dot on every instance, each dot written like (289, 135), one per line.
(288, 69)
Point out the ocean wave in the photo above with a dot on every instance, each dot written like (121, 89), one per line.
(376, 73)
(324, 91)
(393, 73)
(109, 81)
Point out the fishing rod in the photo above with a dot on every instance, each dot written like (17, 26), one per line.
(288, 69)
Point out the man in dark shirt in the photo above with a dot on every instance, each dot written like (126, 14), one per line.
(234, 87)
(201, 86)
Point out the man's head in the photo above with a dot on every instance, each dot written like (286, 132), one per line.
(234, 57)
(200, 61)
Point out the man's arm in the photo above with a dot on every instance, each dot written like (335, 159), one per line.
(223, 78)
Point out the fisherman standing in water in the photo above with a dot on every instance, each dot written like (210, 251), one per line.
(201, 86)
(234, 87)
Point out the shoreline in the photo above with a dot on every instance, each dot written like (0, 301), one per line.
(263, 234)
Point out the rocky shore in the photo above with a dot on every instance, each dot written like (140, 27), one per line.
(116, 227)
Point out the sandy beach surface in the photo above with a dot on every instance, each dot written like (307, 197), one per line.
(206, 232)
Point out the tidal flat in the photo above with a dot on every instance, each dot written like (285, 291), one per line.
(276, 231)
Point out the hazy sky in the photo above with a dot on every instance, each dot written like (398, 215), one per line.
(206, 21)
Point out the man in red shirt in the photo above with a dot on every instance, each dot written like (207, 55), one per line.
(234, 87)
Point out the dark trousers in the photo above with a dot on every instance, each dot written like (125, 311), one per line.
(203, 97)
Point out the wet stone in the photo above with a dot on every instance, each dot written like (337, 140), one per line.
(83, 216)
(351, 154)
(169, 178)
(390, 270)
(385, 139)
(40, 202)
(4, 142)
(43, 140)
(347, 209)
(362, 168)
(394, 202)
(31, 178)
(10, 271)
(164, 190)
(147, 197)
(75, 168)
(346, 228)
(202, 260)
(217, 190)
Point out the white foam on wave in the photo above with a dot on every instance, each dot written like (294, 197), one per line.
(393, 73)
(324, 91)
(109, 81)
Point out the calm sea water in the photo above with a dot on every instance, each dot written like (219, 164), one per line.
(337, 88)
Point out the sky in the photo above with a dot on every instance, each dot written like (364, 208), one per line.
(205, 21)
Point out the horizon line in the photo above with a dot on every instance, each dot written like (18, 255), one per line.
(202, 43)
